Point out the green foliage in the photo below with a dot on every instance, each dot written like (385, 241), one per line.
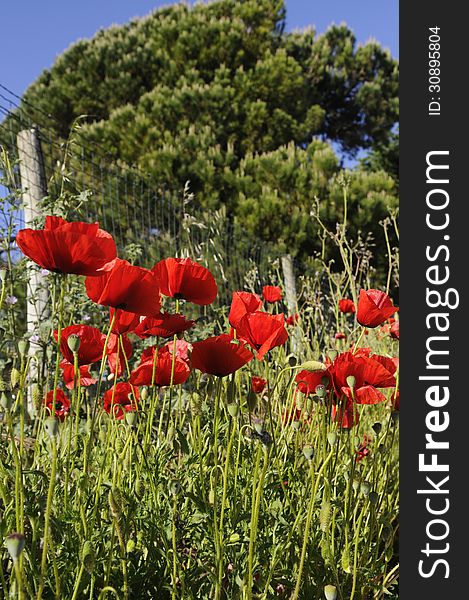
(221, 96)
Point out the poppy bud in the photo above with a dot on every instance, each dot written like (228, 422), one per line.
(115, 502)
(110, 377)
(258, 426)
(308, 452)
(332, 438)
(312, 365)
(296, 424)
(174, 487)
(88, 557)
(3, 274)
(252, 401)
(211, 496)
(74, 342)
(15, 377)
(365, 488)
(139, 488)
(5, 401)
(330, 592)
(233, 410)
(373, 498)
(23, 347)
(356, 484)
(332, 354)
(51, 426)
(15, 543)
(130, 417)
(144, 393)
(351, 381)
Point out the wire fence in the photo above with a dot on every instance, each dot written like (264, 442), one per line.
(148, 222)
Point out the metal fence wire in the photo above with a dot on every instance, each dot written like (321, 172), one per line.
(147, 222)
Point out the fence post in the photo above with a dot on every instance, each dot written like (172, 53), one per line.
(290, 295)
(34, 189)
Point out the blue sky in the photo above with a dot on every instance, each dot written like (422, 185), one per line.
(34, 32)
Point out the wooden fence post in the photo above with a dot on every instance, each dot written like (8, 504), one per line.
(290, 295)
(34, 189)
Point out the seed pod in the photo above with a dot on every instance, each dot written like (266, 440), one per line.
(74, 342)
(308, 452)
(143, 393)
(351, 381)
(320, 391)
(15, 543)
(332, 438)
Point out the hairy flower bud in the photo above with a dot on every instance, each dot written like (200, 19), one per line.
(15, 543)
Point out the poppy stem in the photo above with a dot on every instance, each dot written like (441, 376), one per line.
(98, 392)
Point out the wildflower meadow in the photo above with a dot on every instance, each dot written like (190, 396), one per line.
(154, 446)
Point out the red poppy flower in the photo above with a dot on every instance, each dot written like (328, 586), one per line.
(185, 279)
(258, 384)
(292, 319)
(340, 336)
(182, 349)
(117, 353)
(130, 288)
(62, 404)
(374, 307)
(363, 449)
(346, 306)
(163, 325)
(395, 330)
(262, 331)
(160, 373)
(69, 375)
(308, 381)
(91, 344)
(243, 303)
(124, 322)
(272, 293)
(120, 399)
(348, 415)
(62, 247)
(219, 355)
(369, 374)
